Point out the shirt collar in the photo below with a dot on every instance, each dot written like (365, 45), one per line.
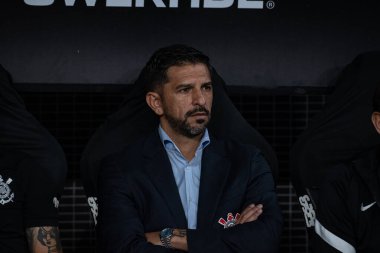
(169, 144)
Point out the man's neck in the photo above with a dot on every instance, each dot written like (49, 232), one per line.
(186, 145)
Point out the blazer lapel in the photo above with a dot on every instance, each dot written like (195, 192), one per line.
(214, 173)
(159, 169)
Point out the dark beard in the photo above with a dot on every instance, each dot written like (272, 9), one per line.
(184, 128)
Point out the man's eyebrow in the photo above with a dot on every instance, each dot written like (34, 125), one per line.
(181, 86)
(188, 85)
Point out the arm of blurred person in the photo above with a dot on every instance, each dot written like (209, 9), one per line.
(44, 240)
(334, 226)
(40, 209)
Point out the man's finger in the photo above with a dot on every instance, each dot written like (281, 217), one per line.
(247, 209)
(249, 214)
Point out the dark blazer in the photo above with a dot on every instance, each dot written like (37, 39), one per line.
(138, 194)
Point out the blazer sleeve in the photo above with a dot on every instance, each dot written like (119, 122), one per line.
(262, 235)
(120, 229)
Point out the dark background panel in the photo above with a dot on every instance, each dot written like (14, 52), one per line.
(71, 63)
(297, 43)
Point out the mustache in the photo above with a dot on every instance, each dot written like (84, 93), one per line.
(196, 110)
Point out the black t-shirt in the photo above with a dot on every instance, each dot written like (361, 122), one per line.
(28, 198)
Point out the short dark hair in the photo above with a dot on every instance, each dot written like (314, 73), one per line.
(155, 71)
(376, 100)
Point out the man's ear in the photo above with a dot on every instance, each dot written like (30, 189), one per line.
(153, 99)
(376, 121)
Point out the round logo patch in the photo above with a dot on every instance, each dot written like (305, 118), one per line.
(6, 194)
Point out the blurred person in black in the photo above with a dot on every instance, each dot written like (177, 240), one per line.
(32, 174)
(348, 213)
(339, 134)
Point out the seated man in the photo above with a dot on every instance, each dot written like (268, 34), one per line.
(179, 188)
(135, 119)
(348, 213)
(32, 175)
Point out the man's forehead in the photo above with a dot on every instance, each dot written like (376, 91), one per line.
(189, 71)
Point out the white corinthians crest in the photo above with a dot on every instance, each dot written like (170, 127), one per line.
(5, 191)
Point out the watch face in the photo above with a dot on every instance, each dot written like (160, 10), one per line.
(167, 232)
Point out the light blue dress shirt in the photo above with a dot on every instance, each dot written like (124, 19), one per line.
(187, 174)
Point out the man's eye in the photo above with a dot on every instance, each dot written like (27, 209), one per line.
(184, 90)
(207, 87)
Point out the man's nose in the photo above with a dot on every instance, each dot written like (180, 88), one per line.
(198, 97)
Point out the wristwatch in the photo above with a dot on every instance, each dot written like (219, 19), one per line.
(166, 236)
